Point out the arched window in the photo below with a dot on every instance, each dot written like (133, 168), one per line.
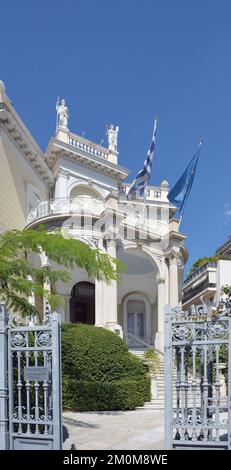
(83, 191)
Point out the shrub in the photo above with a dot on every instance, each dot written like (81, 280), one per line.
(99, 373)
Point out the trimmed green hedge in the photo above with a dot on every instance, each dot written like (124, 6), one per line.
(99, 373)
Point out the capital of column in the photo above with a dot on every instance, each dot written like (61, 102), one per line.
(111, 242)
(161, 280)
(98, 243)
(173, 256)
(110, 237)
(63, 172)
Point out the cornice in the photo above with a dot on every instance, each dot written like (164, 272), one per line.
(13, 126)
(57, 149)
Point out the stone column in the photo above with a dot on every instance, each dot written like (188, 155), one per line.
(110, 291)
(31, 298)
(173, 278)
(99, 307)
(159, 339)
(47, 287)
(61, 184)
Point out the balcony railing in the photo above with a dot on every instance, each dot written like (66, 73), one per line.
(92, 149)
(128, 223)
(199, 271)
(152, 194)
(204, 286)
(67, 206)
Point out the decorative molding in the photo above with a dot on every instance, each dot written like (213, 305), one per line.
(63, 172)
(24, 142)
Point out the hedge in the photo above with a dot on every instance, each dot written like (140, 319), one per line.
(99, 373)
(95, 396)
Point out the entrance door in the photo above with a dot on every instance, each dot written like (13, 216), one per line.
(136, 318)
(82, 303)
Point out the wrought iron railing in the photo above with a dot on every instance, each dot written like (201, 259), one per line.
(199, 342)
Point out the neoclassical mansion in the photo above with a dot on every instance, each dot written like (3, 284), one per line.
(81, 187)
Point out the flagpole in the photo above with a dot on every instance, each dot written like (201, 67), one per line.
(188, 192)
(146, 188)
(142, 178)
(154, 130)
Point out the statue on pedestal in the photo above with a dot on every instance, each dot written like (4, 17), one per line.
(112, 134)
(62, 114)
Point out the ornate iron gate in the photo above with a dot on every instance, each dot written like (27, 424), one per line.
(197, 394)
(31, 414)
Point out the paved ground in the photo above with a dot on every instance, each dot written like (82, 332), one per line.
(127, 430)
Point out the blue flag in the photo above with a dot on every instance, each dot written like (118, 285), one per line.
(141, 181)
(179, 193)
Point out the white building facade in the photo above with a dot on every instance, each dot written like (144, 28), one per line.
(79, 186)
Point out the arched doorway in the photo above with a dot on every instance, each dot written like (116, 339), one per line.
(82, 303)
(137, 318)
(136, 324)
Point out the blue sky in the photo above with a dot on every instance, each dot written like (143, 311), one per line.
(124, 62)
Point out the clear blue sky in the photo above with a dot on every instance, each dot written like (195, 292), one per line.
(124, 62)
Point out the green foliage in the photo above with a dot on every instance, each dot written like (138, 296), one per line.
(123, 394)
(207, 259)
(151, 354)
(15, 245)
(152, 359)
(99, 373)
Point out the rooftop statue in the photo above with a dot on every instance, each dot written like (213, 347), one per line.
(62, 114)
(112, 134)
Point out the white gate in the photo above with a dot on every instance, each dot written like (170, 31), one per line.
(30, 383)
(197, 349)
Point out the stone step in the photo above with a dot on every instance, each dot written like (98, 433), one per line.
(158, 403)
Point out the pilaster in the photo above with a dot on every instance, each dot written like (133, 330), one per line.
(159, 339)
(174, 260)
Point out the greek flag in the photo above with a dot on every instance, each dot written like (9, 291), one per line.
(179, 194)
(141, 181)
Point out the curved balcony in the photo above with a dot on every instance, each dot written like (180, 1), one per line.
(64, 207)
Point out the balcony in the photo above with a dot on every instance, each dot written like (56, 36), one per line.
(199, 272)
(204, 287)
(202, 282)
(64, 207)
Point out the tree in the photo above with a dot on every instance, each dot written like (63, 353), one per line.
(19, 279)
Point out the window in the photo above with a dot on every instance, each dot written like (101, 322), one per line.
(33, 198)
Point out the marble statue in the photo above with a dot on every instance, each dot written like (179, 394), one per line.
(112, 134)
(62, 114)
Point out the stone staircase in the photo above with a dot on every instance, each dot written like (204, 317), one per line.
(158, 385)
(157, 388)
(157, 401)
